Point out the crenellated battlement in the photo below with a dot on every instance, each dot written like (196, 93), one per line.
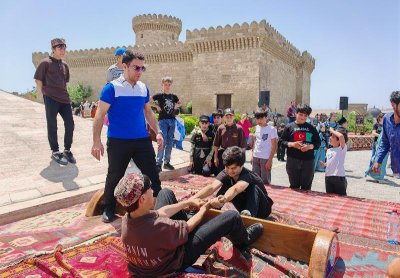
(152, 22)
(308, 60)
(154, 53)
(254, 29)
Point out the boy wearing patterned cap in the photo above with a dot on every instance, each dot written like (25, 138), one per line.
(51, 78)
(164, 240)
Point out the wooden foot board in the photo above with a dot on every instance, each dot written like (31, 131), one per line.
(319, 249)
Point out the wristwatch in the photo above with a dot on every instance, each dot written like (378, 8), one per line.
(159, 132)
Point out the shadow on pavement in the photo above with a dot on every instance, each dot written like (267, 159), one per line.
(57, 173)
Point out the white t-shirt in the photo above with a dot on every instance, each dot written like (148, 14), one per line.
(263, 145)
(335, 161)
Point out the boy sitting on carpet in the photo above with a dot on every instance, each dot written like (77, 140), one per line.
(238, 185)
(335, 176)
(164, 240)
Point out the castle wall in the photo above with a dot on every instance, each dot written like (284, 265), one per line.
(239, 60)
(93, 76)
(181, 74)
(279, 78)
(234, 72)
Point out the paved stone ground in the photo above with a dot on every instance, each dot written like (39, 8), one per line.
(28, 176)
(355, 165)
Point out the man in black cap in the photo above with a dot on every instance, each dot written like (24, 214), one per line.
(201, 151)
(51, 77)
(227, 135)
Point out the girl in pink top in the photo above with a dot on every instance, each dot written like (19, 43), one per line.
(246, 125)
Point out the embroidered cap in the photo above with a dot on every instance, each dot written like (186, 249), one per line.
(129, 189)
(57, 41)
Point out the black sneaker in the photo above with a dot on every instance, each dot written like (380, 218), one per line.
(69, 156)
(253, 233)
(108, 215)
(59, 158)
(168, 166)
(158, 167)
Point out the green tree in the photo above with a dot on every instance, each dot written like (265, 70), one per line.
(79, 92)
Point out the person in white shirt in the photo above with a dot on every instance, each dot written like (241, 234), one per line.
(335, 176)
(264, 147)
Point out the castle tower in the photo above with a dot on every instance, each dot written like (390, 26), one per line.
(151, 29)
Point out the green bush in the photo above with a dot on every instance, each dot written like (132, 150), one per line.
(78, 92)
(237, 117)
(365, 128)
(189, 107)
(190, 123)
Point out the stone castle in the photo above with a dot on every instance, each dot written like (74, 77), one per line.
(239, 66)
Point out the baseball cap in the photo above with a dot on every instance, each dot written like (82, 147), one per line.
(218, 113)
(204, 118)
(130, 188)
(229, 111)
(120, 51)
(57, 41)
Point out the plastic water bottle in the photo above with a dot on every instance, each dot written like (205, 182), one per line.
(393, 228)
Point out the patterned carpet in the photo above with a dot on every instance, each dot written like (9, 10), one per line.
(39, 235)
(360, 142)
(106, 258)
(360, 225)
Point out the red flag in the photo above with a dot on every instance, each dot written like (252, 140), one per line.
(299, 136)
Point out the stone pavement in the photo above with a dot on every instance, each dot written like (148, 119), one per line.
(29, 179)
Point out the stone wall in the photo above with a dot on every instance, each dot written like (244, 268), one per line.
(240, 60)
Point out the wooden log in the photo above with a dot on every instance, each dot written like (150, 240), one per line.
(317, 249)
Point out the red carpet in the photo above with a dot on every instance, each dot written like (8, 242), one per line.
(41, 234)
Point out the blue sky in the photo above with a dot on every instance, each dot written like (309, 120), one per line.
(356, 43)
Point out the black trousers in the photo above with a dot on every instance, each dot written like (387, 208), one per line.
(281, 151)
(120, 152)
(53, 108)
(252, 199)
(335, 184)
(200, 239)
(300, 172)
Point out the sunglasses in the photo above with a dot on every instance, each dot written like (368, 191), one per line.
(61, 46)
(138, 69)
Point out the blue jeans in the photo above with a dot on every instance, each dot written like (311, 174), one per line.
(167, 127)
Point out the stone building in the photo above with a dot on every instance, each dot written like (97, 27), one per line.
(236, 66)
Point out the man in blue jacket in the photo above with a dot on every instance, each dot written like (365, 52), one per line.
(390, 137)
